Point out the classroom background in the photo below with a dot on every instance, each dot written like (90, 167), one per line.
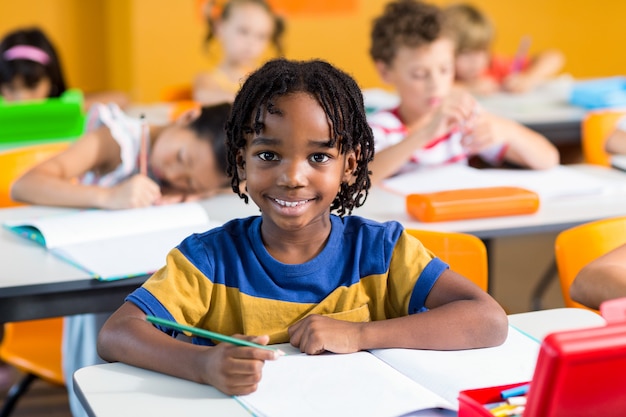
(145, 46)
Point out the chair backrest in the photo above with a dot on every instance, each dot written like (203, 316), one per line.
(183, 92)
(466, 254)
(595, 129)
(577, 246)
(35, 347)
(14, 162)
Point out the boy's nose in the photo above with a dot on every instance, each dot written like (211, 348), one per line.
(293, 174)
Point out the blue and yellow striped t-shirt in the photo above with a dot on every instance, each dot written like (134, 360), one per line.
(225, 281)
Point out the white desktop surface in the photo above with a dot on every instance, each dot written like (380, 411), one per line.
(27, 263)
(121, 390)
(554, 215)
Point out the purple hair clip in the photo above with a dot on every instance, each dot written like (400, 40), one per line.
(27, 52)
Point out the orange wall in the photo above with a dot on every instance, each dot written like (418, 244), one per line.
(142, 46)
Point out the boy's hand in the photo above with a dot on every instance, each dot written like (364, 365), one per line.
(482, 136)
(316, 334)
(137, 191)
(456, 110)
(236, 370)
(518, 83)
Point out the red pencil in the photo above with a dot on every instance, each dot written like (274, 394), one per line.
(143, 150)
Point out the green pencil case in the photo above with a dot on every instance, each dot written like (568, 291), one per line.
(37, 121)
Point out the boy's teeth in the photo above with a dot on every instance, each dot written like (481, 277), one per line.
(289, 203)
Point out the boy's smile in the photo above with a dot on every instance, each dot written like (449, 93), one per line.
(291, 172)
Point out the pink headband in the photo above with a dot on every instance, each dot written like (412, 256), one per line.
(30, 53)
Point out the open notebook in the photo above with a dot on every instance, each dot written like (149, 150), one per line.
(114, 244)
(387, 382)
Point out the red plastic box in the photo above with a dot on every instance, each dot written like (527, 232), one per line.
(579, 373)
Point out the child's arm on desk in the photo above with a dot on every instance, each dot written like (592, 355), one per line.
(460, 316)
(53, 182)
(524, 147)
(601, 280)
(616, 142)
(544, 66)
(235, 370)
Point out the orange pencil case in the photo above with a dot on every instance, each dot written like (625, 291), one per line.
(471, 203)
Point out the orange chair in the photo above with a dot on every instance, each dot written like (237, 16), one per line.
(595, 129)
(183, 92)
(181, 99)
(466, 254)
(579, 245)
(15, 162)
(33, 347)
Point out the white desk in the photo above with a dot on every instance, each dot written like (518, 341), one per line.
(545, 110)
(36, 284)
(121, 390)
(552, 216)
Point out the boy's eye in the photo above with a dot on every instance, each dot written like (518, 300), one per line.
(267, 156)
(319, 158)
(418, 75)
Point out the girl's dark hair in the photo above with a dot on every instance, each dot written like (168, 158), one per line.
(338, 95)
(32, 72)
(210, 126)
(279, 23)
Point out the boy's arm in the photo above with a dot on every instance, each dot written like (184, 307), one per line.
(54, 182)
(616, 142)
(460, 316)
(235, 370)
(525, 147)
(544, 66)
(602, 279)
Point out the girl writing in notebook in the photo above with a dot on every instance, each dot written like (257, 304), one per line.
(244, 29)
(435, 124)
(297, 273)
(185, 160)
(30, 69)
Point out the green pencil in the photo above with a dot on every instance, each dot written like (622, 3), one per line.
(207, 334)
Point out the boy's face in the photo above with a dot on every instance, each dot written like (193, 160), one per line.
(291, 173)
(471, 65)
(423, 76)
(184, 161)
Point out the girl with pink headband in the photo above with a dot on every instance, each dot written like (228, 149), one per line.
(30, 69)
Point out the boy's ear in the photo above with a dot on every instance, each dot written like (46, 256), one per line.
(188, 116)
(351, 163)
(383, 71)
(241, 164)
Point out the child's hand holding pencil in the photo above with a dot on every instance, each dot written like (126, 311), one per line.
(234, 366)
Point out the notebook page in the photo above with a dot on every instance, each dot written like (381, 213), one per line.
(89, 225)
(356, 384)
(448, 372)
(128, 256)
